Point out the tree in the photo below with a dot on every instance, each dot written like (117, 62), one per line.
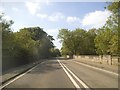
(43, 41)
(55, 52)
(64, 36)
(25, 46)
(90, 45)
(77, 42)
(8, 44)
(106, 40)
(113, 24)
(102, 41)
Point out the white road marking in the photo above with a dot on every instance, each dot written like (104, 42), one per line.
(9, 82)
(96, 68)
(80, 81)
(70, 77)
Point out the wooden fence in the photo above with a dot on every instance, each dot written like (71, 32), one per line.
(105, 59)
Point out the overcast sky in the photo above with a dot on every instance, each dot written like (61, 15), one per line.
(53, 16)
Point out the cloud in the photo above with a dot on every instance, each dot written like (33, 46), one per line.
(52, 31)
(96, 19)
(32, 7)
(15, 9)
(56, 17)
(2, 10)
(6, 17)
(72, 19)
(42, 16)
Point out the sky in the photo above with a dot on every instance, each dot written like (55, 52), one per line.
(53, 16)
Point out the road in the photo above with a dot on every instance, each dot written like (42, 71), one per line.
(65, 74)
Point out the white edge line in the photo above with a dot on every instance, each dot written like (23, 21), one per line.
(80, 81)
(9, 82)
(96, 68)
(70, 77)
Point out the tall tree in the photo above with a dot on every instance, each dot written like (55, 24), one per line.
(25, 46)
(91, 34)
(78, 41)
(43, 41)
(107, 37)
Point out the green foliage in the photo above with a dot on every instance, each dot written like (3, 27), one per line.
(31, 44)
(104, 40)
(77, 42)
(25, 46)
(55, 52)
(107, 38)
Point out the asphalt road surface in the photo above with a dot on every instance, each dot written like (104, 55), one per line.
(64, 74)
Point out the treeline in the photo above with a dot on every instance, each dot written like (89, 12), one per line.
(78, 41)
(25, 46)
(102, 41)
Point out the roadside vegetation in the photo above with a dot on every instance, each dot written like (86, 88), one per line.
(25, 46)
(102, 41)
(33, 43)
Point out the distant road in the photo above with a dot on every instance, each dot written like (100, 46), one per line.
(64, 74)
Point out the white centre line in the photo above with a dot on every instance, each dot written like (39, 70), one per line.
(9, 82)
(80, 81)
(70, 77)
(96, 68)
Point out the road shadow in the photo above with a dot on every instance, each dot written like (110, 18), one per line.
(49, 65)
(60, 58)
(46, 67)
